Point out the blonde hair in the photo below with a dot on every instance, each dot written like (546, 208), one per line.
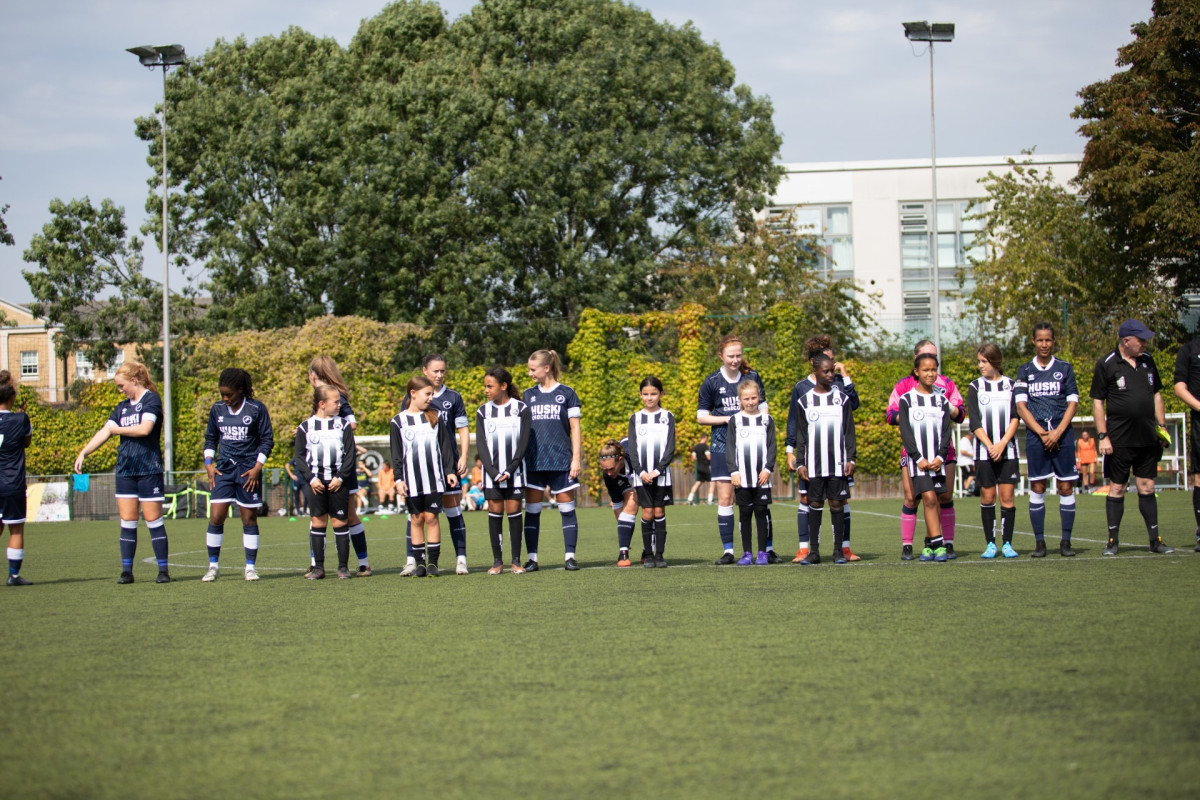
(548, 358)
(326, 370)
(749, 383)
(137, 372)
(611, 448)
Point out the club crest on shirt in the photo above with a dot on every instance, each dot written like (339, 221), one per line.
(446, 404)
(984, 399)
(558, 398)
(1058, 376)
(246, 420)
(1121, 382)
(743, 433)
(314, 437)
(137, 407)
(814, 415)
(337, 424)
(918, 414)
(838, 399)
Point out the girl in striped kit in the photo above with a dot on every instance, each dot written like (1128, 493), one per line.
(618, 480)
(992, 407)
(324, 455)
(750, 454)
(424, 464)
(651, 451)
(924, 418)
(502, 426)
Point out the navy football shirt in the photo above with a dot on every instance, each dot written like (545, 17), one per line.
(242, 435)
(719, 397)
(14, 430)
(550, 432)
(139, 455)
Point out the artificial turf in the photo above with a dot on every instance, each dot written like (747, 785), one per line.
(1052, 678)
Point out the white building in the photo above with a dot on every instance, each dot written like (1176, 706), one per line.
(874, 220)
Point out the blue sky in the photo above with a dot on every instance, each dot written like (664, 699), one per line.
(845, 83)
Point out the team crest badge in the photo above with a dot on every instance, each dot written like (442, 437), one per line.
(1121, 382)
(337, 424)
(744, 433)
(838, 399)
(813, 416)
(1058, 376)
(558, 398)
(246, 420)
(314, 437)
(918, 414)
(138, 407)
(984, 400)
(446, 404)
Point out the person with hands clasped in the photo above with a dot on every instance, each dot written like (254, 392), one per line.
(324, 456)
(651, 451)
(237, 443)
(750, 453)
(924, 416)
(993, 413)
(501, 436)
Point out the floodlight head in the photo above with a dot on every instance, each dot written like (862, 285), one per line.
(163, 55)
(929, 32)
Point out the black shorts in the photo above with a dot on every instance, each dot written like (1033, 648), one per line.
(12, 507)
(703, 477)
(989, 473)
(654, 496)
(758, 496)
(1194, 454)
(928, 483)
(422, 503)
(834, 488)
(1142, 460)
(335, 504)
(504, 493)
(617, 487)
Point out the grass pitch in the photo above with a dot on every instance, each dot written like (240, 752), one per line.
(1052, 678)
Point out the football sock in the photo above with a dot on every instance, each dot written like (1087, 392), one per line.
(1148, 505)
(838, 521)
(1196, 507)
(625, 530)
(987, 515)
(725, 527)
(948, 522)
(1037, 514)
(128, 543)
(846, 525)
(533, 526)
(1066, 515)
(419, 552)
(358, 537)
(496, 535)
(570, 526)
(660, 535)
(16, 555)
(937, 541)
(435, 551)
(514, 535)
(408, 550)
(158, 541)
(1008, 520)
(647, 535)
(908, 524)
(341, 541)
(814, 528)
(214, 538)
(458, 529)
(1114, 509)
(745, 515)
(802, 524)
(250, 543)
(762, 521)
(316, 543)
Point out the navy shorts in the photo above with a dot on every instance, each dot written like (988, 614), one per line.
(989, 473)
(617, 487)
(146, 488)
(552, 482)
(1059, 463)
(228, 488)
(334, 504)
(718, 467)
(12, 507)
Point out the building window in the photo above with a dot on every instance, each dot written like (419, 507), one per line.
(29, 363)
(83, 366)
(957, 243)
(112, 369)
(832, 227)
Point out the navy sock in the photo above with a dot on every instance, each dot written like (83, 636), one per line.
(358, 538)
(128, 543)
(250, 543)
(725, 526)
(158, 541)
(1037, 515)
(625, 530)
(214, 538)
(802, 524)
(458, 530)
(16, 556)
(533, 527)
(1066, 515)
(570, 526)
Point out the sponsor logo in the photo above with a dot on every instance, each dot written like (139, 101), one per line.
(813, 416)
(641, 429)
(314, 437)
(984, 400)
(743, 433)
(918, 414)
(491, 425)
(410, 434)
(220, 419)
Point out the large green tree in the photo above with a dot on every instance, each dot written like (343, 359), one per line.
(1141, 165)
(489, 178)
(1047, 257)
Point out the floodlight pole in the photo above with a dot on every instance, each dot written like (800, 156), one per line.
(924, 32)
(153, 57)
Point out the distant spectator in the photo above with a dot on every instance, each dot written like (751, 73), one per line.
(387, 486)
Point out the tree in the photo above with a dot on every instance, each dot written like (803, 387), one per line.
(89, 281)
(1141, 165)
(1047, 254)
(488, 178)
(6, 237)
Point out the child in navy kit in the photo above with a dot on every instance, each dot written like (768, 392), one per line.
(237, 443)
(750, 453)
(924, 418)
(424, 463)
(992, 408)
(553, 461)
(825, 453)
(502, 427)
(138, 420)
(324, 455)
(651, 451)
(618, 481)
(15, 435)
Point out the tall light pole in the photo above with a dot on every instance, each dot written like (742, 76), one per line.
(165, 56)
(932, 32)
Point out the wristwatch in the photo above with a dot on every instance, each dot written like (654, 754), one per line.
(1102, 435)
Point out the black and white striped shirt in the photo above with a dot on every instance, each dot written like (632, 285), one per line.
(501, 437)
(925, 429)
(991, 405)
(750, 447)
(825, 441)
(652, 445)
(325, 449)
(422, 454)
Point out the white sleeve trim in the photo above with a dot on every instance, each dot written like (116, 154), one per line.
(262, 458)
(150, 417)
(209, 453)
(574, 413)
